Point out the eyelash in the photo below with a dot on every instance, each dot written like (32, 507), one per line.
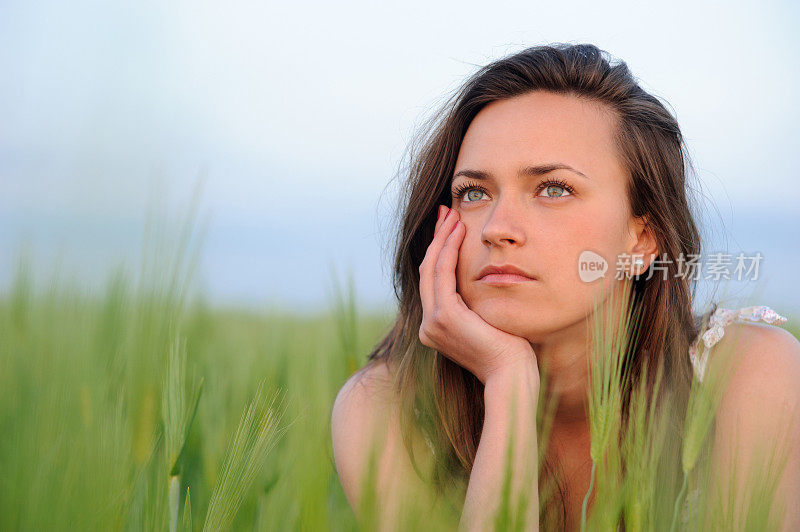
(461, 189)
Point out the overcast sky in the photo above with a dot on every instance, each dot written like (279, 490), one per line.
(298, 113)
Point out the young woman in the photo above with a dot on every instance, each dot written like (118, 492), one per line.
(541, 163)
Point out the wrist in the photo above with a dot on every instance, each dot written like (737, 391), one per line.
(524, 370)
(517, 384)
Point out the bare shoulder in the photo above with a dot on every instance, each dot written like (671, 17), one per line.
(366, 430)
(760, 409)
(766, 359)
(366, 396)
(761, 394)
(373, 383)
(365, 426)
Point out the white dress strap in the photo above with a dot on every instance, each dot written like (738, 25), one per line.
(716, 330)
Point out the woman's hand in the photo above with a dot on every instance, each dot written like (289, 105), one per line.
(448, 325)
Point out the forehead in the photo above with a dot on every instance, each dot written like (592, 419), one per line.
(542, 127)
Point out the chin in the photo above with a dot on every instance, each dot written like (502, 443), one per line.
(507, 314)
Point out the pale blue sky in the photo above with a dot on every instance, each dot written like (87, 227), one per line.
(299, 113)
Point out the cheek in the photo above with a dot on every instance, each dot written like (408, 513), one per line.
(563, 242)
(469, 257)
(559, 248)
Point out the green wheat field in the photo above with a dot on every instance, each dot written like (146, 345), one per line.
(137, 407)
(140, 408)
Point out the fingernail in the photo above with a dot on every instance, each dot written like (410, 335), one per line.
(441, 210)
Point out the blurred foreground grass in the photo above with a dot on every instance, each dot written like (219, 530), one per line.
(136, 408)
(88, 399)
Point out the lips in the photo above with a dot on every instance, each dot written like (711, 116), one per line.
(503, 269)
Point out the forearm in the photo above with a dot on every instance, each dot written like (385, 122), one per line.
(516, 388)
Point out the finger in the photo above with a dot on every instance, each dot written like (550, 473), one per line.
(444, 286)
(443, 210)
(432, 255)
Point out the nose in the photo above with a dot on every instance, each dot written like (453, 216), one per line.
(504, 227)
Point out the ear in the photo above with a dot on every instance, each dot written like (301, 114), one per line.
(642, 241)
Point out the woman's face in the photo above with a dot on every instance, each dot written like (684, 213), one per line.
(541, 222)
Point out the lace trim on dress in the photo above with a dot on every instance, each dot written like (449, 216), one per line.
(716, 330)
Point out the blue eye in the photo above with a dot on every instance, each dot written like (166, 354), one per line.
(564, 191)
(472, 193)
(467, 189)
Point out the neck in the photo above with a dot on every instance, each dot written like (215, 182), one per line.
(563, 361)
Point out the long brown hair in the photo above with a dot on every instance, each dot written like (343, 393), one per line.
(441, 398)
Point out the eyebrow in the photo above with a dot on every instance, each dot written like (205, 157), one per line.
(526, 171)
